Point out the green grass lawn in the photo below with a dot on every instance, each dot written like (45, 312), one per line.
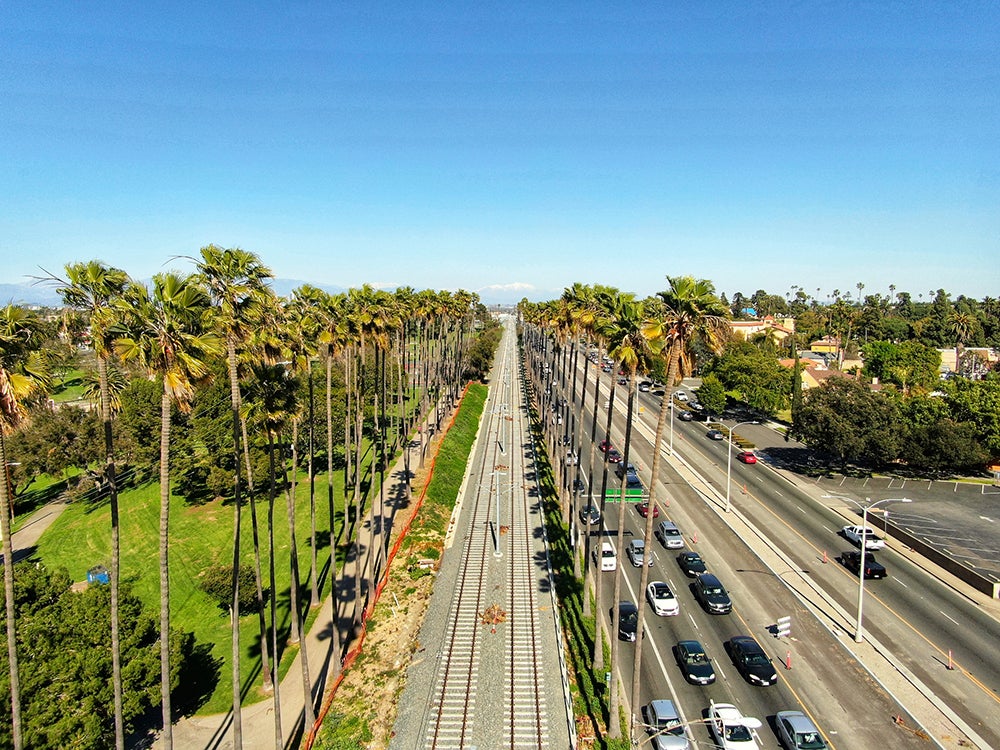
(200, 537)
(70, 388)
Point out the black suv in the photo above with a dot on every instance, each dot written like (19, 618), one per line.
(873, 568)
(750, 659)
(712, 594)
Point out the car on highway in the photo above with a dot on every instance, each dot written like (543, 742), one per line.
(579, 487)
(685, 415)
(607, 557)
(712, 595)
(669, 535)
(665, 725)
(636, 552)
(643, 509)
(628, 620)
(572, 459)
(591, 512)
(796, 731)
(873, 568)
(751, 661)
(645, 386)
(691, 563)
(605, 446)
(867, 533)
(747, 457)
(623, 381)
(681, 396)
(606, 367)
(694, 663)
(714, 435)
(731, 729)
(613, 456)
(662, 599)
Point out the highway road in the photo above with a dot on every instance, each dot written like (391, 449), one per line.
(911, 619)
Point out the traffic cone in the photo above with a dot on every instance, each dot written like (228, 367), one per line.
(694, 539)
(788, 660)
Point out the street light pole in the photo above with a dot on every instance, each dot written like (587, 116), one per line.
(729, 459)
(859, 631)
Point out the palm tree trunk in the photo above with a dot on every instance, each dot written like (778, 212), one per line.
(661, 422)
(311, 468)
(111, 478)
(234, 398)
(267, 675)
(8, 588)
(614, 728)
(598, 644)
(271, 494)
(335, 621)
(168, 736)
(296, 611)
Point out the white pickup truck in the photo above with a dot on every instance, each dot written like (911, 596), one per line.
(858, 533)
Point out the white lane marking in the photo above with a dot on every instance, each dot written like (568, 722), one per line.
(986, 518)
(950, 618)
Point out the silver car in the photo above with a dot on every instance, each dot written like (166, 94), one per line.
(636, 552)
(664, 723)
(797, 732)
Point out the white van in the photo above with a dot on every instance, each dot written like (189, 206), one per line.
(608, 558)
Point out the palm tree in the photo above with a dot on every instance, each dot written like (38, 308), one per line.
(23, 377)
(690, 311)
(235, 280)
(963, 326)
(93, 287)
(167, 332)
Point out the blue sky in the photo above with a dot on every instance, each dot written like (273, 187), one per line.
(522, 146)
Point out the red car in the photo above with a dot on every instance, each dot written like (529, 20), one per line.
(614, 456)
(605, 446)
(747, 457)
(644, 509)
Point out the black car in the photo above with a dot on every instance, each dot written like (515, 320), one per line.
(691, 563)
(686, 416)
(712, 595)
(628, 620)
(873, 568)
(694, 663)
(591, 511)
(750, 659)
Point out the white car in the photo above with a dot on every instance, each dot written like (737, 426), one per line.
(731, 729)
(662, 599)
(858, 533)
(680, 395)
(607, 556)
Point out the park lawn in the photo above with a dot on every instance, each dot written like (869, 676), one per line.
(70, 388)
(200, 537)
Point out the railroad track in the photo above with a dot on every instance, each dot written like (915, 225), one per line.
(494, 606)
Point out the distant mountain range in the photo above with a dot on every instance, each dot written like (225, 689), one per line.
(45, 294)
